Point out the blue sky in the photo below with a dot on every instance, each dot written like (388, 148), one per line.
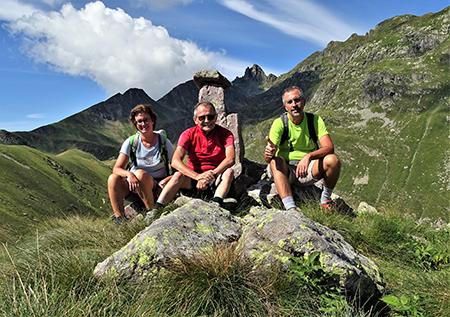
(58, 58)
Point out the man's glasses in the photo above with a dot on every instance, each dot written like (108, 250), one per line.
(146, 120)
(296, 100)
(209, 116)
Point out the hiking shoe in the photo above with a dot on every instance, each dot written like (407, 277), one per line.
(150, 215)
(215, 203)
(120, 220)
(330, 206)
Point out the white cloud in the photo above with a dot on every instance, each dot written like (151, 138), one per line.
(164, 3)
(116, 51)
(11, 10)
(298, 18)
(36, 116)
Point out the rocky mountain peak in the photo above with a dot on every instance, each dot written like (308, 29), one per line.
(255, 72)
(254, 80)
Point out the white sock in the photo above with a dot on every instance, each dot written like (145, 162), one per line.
(326, 195)
(289, 202)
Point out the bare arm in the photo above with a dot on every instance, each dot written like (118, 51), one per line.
(326, 147)
(270, 150)
(177, 163)
(119, 169)
(227, 162)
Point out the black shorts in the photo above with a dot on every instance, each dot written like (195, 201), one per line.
(198, 193)
(134, 198)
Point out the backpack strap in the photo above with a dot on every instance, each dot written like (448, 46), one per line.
(312, 129)
(285, 135)
(162, 138)
(134, 142)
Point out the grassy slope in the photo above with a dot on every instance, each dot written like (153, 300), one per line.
(390, 130)
(35, 186)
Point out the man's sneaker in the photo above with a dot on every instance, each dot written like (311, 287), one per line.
(215, 203)
(330, 206)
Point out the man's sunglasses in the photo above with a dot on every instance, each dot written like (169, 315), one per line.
(209, 116)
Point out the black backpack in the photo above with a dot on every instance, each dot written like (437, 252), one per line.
(162, 138)
(311, 129)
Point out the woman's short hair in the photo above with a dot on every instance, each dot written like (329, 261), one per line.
(143, 108)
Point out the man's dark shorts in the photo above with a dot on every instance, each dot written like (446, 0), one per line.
(198, 193)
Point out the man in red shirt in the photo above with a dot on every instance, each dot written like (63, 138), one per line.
(211, 153)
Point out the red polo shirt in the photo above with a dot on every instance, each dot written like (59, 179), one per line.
(205, 153)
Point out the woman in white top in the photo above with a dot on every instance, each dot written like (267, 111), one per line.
(141, 181)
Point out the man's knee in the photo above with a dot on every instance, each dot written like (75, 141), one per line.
(228, 175)
(278, 164)
(331, 161)
(177, 178)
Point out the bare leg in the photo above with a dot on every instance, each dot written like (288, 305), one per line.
(279, 169)
(225, 183)
(170, 190)
(328, 168)
(145, 188)
(117, 190)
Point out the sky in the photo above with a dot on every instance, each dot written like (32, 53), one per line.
(58, 58)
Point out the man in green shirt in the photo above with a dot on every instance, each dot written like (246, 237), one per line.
(300, 163)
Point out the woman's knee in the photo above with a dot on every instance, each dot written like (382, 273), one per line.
(113, 180)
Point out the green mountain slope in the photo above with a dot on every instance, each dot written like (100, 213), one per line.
(35, 186)
(384, 97)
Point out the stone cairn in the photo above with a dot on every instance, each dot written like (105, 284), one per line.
(212, 85)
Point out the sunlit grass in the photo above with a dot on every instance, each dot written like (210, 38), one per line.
(50, 273)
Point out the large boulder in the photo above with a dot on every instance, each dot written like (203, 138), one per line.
(265, 235)
(185, 231)
(271, 235)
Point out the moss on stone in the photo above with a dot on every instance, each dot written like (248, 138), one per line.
(204, 229)
(149, 243)
(144, 259)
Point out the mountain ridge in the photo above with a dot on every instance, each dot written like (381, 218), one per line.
(384, 97)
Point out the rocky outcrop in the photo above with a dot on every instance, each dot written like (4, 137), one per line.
(274, 235)
(212, 85)
(185, 231)
(265, 235)
(254, 81)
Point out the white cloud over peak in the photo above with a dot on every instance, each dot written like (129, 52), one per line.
(11, 10)
(299, 18)
(112, 48)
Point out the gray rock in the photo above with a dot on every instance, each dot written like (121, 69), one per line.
(205, 76)
(275, 235)
(186, 231)
(265, 235)
(365, 208)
